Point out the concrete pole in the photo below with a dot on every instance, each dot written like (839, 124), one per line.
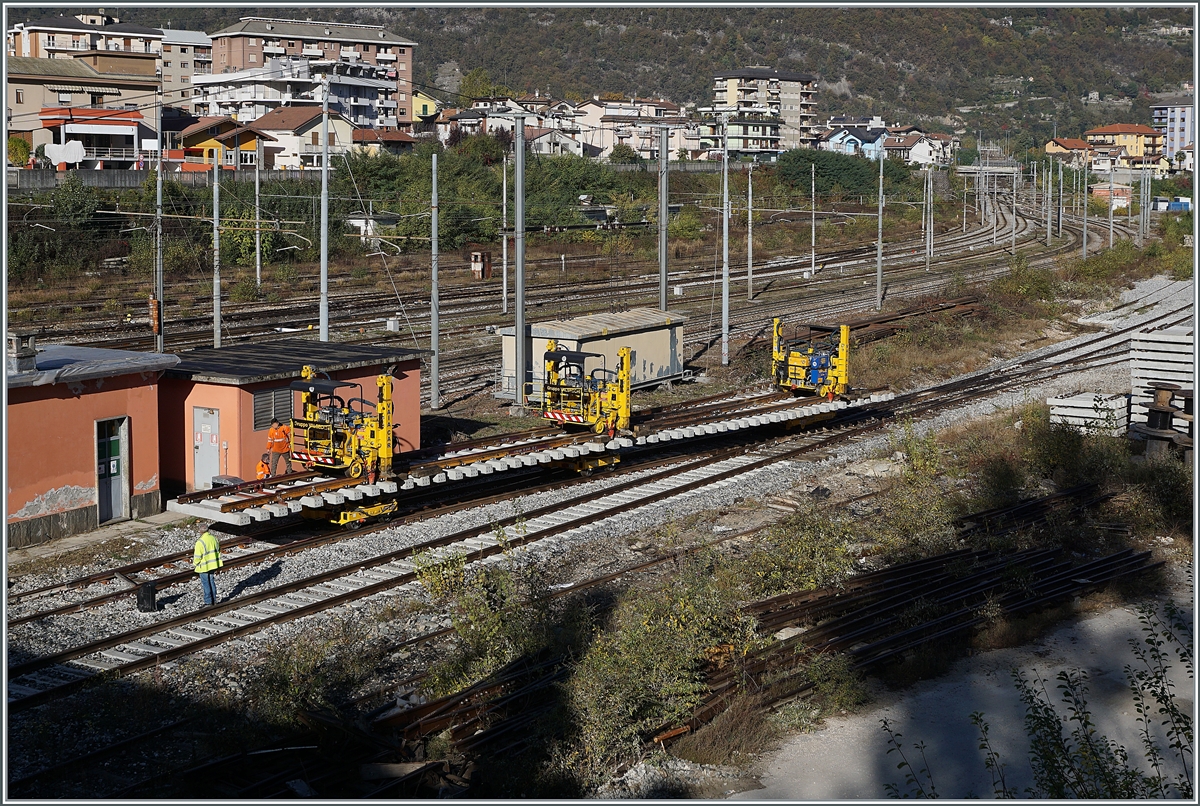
(159, 345)
(1016, 175)
(217, 247)
(520, 333)
(663, 145)
(1083, 183)
(504, 235)
(928, 216)
(434, 397)
(812, 264)
(257, 215)
(1112, 169)
(964, 205)
(1048, 184)
(750, 234)
(325, 208)
(1060, 198)
(879, 243)
(725, 247)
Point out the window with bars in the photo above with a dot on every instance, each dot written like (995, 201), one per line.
(272, 403)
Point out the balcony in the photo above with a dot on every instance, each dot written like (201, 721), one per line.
(334, 148)
(274, 50)
(385, 57)
(202, 57)
(351, 55)
(313, 52)
(393, 122)
(105, 153)
(387, 104)
(67, 46)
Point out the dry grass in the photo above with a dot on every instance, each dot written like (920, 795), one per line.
(734, 738)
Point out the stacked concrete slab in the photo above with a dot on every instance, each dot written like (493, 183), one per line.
(1108, 414)
(1165, 354)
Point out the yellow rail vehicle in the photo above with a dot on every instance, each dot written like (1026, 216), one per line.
(817, 363)
(335, 437)
(599, 401)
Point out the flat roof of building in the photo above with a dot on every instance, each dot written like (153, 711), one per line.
(69, 363)
(242, 364)
(602, 324)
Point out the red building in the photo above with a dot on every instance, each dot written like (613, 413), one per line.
(217, 403)
(82, 438)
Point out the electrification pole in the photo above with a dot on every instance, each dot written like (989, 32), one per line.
(725, 247)
(504, 234)
(1085, 212)
(663, 135)
(257, 215)
(812, 265)
(1112, 169)
(1048, 188)
(217, 247)
(325, 208)
(160, 307)
(879, 242)
(521, 342)
(1016, 175)
(1060, 197)
(750, 233)
(435, 401)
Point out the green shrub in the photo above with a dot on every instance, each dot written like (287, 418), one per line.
(804, 551)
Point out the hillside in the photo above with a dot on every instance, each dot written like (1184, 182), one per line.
(905, 64)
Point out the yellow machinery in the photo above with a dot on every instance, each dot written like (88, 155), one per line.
(599, 400)
(335, 437)
(815, 364)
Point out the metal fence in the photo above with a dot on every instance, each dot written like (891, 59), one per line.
(19, 179)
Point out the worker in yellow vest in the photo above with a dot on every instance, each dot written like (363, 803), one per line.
(206, 561)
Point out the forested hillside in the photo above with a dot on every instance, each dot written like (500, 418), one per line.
(908, 64)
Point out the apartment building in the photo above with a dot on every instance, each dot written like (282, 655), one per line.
(772, 110)
(1136, 139)
(358, 91)
(179, 54)
(1175, 119)
(185, 55)
(634, 122)
(252, 41)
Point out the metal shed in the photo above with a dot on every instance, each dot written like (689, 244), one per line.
(656, 338)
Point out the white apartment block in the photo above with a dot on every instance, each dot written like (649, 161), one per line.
(1175, 119)
(360, 92)
(778, 109)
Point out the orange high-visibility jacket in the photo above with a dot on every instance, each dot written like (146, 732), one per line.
(279, 440)
(263, 469)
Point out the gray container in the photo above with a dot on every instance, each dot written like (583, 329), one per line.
(655, 337)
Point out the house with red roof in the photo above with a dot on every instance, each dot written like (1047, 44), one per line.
(297, 134)
(1070, 150)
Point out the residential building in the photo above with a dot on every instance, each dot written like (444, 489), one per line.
(356, 91)
(634, 122)
(236, 143)
(1188, 161)
(423, 108)
(53, 101)
(1175, 120)
(297, 131)
(848, 121)
(1106, 159)
(1071, 150)
(375, 141)
(185, 55)
(253, 40)
(553, 142)
(1119, 194)
(1136, 139)
(1158, 165)
(853, 141)
(758, 94)
(914, 149)
(179, 55)
(945, 147)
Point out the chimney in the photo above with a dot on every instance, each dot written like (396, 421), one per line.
(22, 351)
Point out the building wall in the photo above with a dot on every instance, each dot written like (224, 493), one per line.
(246, 445)
(51, 484)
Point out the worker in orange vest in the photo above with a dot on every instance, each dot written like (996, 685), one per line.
(264, 468)
(279, 444)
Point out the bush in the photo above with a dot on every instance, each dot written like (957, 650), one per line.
(18, 152)
(804, 551)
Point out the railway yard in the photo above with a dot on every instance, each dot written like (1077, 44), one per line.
(443, 650)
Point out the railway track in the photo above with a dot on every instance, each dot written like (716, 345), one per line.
(32, 683)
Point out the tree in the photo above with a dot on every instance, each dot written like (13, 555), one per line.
(75, 202)
(476, 84)
(18, 152)
(624, 155)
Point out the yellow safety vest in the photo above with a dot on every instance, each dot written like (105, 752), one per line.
(208, 554)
